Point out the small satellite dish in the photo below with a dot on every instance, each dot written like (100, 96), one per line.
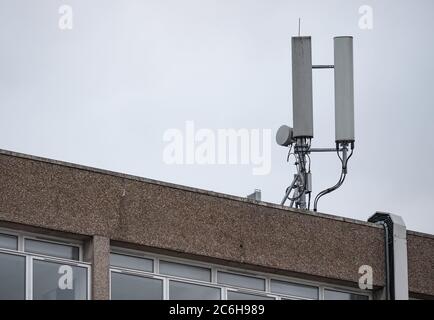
(284, 136)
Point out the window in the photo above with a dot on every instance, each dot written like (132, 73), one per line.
(187, 291)
(41, 269)
(132, 287)
(8, 242)
(52, 249)
(131, 262)
(160, 277)
(12, 277)
(295, 290)
(58, 281)
(237, 295)
(185, 271)
(241, 281)
(340, 295)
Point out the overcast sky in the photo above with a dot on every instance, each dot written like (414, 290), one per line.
(104, 93)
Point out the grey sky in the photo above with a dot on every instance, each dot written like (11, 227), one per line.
(103, 93)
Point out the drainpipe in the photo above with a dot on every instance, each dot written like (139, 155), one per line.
(396, 250)
(386, 257)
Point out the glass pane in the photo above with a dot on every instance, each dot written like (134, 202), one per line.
(130, 287)
(241, 281)
(187, 291)
(52, 249)
(57, 281)
(339, 295)
(185, 271)
(130, 262)
(12, 277)
(235, 295)
(292, 289)
(8, 242)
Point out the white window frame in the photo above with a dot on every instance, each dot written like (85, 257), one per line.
(14, 234)
(28, 277)
(245, 274)
(345, 290)
(136, 273)
(53, 241)
(22, 236)
(194, 282)
(182, 278)
(134, 256)
(65, 262)
(215, 268)
(26, 267)
(294, 281)
(30, 257)
(252, 292)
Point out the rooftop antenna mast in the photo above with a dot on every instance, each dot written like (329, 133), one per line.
(298, 139)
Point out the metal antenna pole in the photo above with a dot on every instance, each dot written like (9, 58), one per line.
(301, 184)
(289, 190)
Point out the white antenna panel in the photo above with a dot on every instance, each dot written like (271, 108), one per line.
(344, 89)
(302, 105)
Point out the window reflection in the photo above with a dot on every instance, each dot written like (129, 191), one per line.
(187, 291)
(8, 242)
(241, 281)
(57, 281)
(12, 277)
(292, 289)
(131, 287)
(339, 295)
(185, 271)
(131, 262)
(52, 249)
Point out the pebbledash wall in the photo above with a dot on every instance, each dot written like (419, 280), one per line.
(120, 236)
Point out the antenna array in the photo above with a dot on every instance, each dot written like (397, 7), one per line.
(299, 138)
